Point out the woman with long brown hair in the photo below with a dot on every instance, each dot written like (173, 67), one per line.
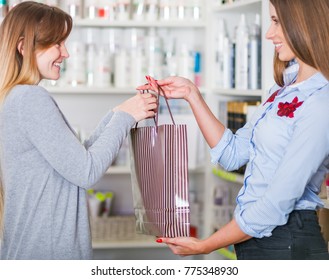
(45, 170)
(285, 144)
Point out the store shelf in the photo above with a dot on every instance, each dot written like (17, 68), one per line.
(228, 176)
(238, 6)
(326, 203)
(118, 170)
(126, 170)
(237, 92)
(140, 24)
(85, 90)
(148, 243)
(227, 253)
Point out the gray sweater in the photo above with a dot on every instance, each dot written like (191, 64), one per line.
(46, 172)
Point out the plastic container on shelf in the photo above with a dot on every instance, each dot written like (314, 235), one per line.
(138, 9)
(242, 52)
(255, 55)
(74, 8)
(90, 9)
(123, 10)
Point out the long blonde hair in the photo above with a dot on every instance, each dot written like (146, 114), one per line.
(305, 25)
(39, 27)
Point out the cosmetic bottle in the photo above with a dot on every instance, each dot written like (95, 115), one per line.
(120, 68)
(228, 63)
(241, 59)
(173, 7)
(153, 54)
(185, 62)
(255, 55)
(164, 10)
(90, 10)
(193, 9)
(219, 71)
(91, 53)
(181, 9)
(123, 10)
(103, 67)
(106, 9)
(138, 9)
(76, 65)
(74, 8)
(170, 57)
(137, 69)
(108, 204)
(197, 68)
(152, 10)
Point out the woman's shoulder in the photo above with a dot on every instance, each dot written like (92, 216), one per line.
(317, 103)
(27, 90)
(22, 96)
(27, 93)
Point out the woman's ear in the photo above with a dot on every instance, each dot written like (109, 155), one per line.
(20, 46)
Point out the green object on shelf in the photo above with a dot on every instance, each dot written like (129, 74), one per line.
(224, 174)
(227, 253)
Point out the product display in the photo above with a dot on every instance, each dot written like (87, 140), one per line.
(159, 163)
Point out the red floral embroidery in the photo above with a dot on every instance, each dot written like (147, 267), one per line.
(272, 97)
(287, 109)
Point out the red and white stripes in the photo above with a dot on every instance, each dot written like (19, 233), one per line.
(160, 179)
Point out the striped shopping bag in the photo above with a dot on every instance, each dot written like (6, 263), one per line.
(159, 171)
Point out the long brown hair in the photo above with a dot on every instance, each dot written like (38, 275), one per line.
(305, 25)
(40, 27)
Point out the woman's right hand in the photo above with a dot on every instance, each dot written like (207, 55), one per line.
(141, 106)
(173, 86)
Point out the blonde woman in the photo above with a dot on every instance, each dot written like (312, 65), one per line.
(285, 145)
(45, 171)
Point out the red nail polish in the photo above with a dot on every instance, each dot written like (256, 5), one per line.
(159, 240)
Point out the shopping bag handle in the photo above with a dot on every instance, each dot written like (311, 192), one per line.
(160, 89)
(156, 117)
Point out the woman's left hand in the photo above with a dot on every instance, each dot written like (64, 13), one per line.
(184, 246)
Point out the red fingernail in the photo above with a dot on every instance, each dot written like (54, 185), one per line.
(147, 77)
(159, 240)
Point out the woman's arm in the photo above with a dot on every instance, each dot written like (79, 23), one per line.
(225, 236)
(181, 88)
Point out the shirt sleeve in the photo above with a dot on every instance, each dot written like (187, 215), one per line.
(42, 123)
(306, 152)
(232, 151)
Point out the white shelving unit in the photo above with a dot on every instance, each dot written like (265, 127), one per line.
(215, 176)
(145, 24)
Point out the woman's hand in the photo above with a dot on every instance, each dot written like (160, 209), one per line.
(174, 87)
(184, 246)
(141, 106)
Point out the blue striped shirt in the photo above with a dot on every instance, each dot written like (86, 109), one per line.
(286, 147)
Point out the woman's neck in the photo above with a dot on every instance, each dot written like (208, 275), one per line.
(305, 71)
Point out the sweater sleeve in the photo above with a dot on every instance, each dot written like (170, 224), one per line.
(44, 126)
(98, 131)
